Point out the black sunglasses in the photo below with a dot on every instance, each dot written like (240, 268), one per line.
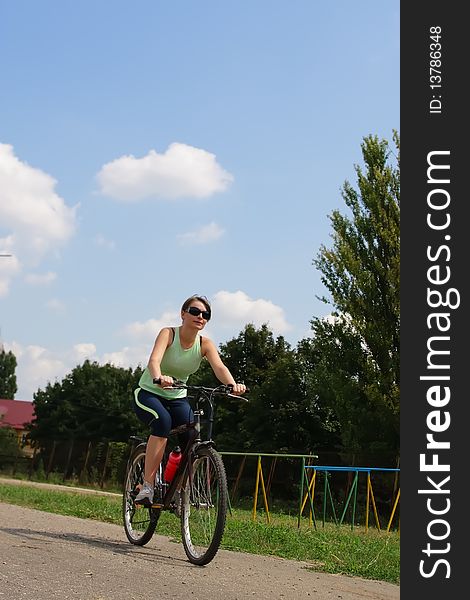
(195, 311)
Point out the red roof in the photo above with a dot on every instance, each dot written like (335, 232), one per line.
(16, 413)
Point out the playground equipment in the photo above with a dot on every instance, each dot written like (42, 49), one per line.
(310, 476)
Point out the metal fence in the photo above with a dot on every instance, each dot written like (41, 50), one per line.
(290, 483)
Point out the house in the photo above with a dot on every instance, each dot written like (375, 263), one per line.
(17, 414)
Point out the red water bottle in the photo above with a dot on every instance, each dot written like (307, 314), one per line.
(174, 460)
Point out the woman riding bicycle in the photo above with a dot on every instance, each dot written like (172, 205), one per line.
(176, 354)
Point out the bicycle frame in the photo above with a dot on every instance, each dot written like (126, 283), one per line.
(195, 442)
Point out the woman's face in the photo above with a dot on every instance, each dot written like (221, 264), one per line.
(195, 315)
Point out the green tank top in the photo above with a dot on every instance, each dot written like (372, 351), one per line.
(176, 362)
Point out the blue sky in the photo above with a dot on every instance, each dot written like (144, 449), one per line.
(153, 150)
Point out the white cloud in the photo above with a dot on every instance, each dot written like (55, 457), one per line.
(203, 235)
(35, 217)
(237, 308)
(181, 171)
(147, 331)
(55, 305)
(129, 356)
(81, 352)
(10, 267)
(36, 367)
(103, 242)
(40, 278)
(141, 337)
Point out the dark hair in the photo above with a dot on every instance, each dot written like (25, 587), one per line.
(202, 299)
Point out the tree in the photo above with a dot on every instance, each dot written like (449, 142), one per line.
(9, 447)
(280, 416)
(358, 348)
(8, 387)
(248, 356)
(8, 444)
(93, 402)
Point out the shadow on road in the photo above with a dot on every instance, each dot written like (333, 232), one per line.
(112, 546)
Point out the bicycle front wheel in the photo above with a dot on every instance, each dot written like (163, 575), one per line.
(139, 521)
(204, 499)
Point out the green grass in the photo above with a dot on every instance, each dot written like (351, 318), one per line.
(332, 549)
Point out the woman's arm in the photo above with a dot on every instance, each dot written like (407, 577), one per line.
(221, 371)
(161, 344)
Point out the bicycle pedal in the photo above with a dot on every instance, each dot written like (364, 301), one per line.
(145, 503)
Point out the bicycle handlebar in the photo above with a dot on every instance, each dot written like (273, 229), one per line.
(223, 388)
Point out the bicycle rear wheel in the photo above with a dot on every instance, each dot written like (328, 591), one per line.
(139, 521)
(203, 506)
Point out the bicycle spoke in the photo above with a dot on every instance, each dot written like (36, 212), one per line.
(204, 507)
(139, 522)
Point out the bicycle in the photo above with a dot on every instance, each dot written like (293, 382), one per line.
(198, 492)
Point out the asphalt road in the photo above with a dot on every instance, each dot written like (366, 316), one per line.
(45, 556)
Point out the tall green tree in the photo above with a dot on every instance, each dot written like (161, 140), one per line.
(282, 416)
(358, 347)
(8, 387)
(279, 416)
(254, 356)
(93, 402)
(248, 357)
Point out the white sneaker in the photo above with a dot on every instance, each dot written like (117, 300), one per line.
(145, 496)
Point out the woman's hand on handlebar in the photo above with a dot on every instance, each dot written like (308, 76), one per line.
(164, 381)
(238, 389)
